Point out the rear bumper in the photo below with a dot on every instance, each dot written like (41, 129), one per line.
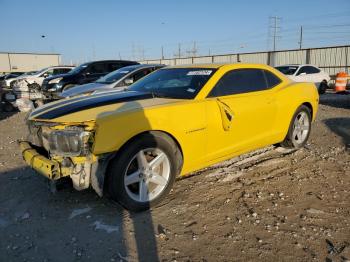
(41, 164)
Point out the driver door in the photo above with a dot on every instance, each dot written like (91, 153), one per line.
(241, 112)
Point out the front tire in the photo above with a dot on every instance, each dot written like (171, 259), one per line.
(299, 129)
(144, 171)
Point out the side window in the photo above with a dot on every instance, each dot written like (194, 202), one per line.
(271, 79)
(98, 68)
(57, 71)
(114, 66)
(308, 70)
(47, 73)
(141, 74)
(240, 81)
(65, 70)
(314, 70)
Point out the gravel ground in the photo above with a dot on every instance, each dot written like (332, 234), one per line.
(270, 205)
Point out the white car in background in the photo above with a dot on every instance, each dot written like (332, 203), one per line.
(307, 73)
(39, 76)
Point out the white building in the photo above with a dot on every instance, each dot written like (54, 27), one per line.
(25, 62)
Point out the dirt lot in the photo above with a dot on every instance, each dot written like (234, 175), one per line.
(271, 205)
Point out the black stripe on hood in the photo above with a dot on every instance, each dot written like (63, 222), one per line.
(92, 102)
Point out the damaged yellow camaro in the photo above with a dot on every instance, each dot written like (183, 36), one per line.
(174, 121)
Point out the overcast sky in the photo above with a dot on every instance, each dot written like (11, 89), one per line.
(86, 30)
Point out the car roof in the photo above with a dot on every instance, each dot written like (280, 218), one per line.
(135, 67)
(108, 61)
(297, 65)
(218, 65)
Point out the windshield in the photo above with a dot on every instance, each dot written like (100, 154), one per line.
(41, 71)
(183, 83)
(78, 68)
(113, 76)
(30, 73)
(287, 70)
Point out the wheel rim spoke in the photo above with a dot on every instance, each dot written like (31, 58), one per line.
(159, 180)
(141, 160)
(143, 191)
(304, 127)
(133, 178)
(295, 133)
(157, 161)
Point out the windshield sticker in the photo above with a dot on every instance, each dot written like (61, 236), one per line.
(191, 90)
(199, 73)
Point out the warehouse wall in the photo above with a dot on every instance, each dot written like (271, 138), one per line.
(331, 59)
(24, 62)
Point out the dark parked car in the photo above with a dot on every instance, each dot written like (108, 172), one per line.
(116, 80)
(85, 73)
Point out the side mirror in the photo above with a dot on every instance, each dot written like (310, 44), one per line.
(302, 74)
(45, 75)
(129, 81)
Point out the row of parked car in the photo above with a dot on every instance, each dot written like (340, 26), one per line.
(33, 89)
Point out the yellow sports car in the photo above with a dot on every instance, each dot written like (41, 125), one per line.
(177, 120)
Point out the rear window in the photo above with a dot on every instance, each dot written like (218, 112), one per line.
(287, 70)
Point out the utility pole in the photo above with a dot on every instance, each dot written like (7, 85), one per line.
(178, 55)
(194, 50)
(301, 37)
(275, 29)
(162, 52)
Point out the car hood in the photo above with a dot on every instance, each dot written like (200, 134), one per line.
(87, 88)
(90, 108)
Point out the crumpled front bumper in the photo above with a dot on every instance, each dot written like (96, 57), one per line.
(46, 167)
(84, 172)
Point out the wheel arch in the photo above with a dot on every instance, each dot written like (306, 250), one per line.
(309, 106)
(115, 154)
(161, 132)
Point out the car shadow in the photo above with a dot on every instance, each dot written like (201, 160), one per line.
(341, 127)
(4, 115)
(68, 225)
(71, 225)
(341, 100)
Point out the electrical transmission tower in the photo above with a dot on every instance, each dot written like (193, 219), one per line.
(274, 30)
(193, 51)
(178, 54)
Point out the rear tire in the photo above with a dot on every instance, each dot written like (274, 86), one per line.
(144, 171)
(322, 87)
(299, 129)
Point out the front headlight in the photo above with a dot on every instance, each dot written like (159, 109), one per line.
(67, 142)
(55, 81)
